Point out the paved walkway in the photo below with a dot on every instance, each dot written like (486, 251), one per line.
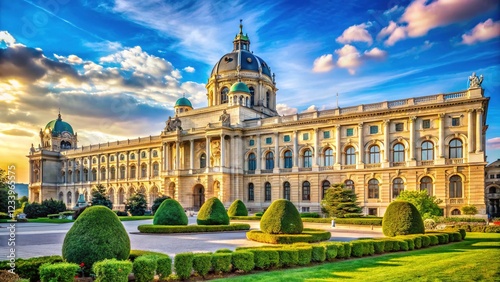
(41, 239)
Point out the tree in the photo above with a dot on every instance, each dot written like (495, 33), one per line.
(427, 206)
(402, 218)
(157, 202)
(4, 191)
(339, 201)
(35, 210)
(53, 206)
(469, 210)
(100, 197)
(136, 204)
(212, 213)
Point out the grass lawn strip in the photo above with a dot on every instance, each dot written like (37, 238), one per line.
(470, 260)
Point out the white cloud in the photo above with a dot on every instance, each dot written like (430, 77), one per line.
(493, 143)
(482, 32)
(349, 58)
(71, 59)
(323, 63)
(285, 110)
(356, 33)
(375, 53)
(311, 108)
(189, 69)
(6, 37)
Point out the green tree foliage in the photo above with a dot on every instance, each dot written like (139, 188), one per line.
(136, 204)
(170, 212)
(402, 218)
(282, 217)
(35, 210)
(54, 206)
(339, 201)
(157, 202)
(237, 208)
(427, 206)
(100, 197)
(469, 210)
(96, 235)
(4, 191)
(23, 199)
(212, 213)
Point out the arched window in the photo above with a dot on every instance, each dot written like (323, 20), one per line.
(203, 160)
(374, 155)
(325, 185)
(349, 184)
(492, 190)
(132, 172)
(112, 158)
(144, 171)
(397, 187)
(132, 156)
(103, 159)
(286, 190)
(69, 196)
(288, 159)
(103, 173)
(61, 196)
(223, 95)
(250, 192)
(307, 158)
(373, 189)
(455, 212)
(122, 157)
(63, 177)
(427, 151)
(455, 187)
(94, 174)
(70, 176)
(268, 99)
(252, 164)
(269, 160)
(85, 175)
(350, 156)
(398, 153)
(267, 192)
(155, 154)
(121, 196)
(156, 169)
(94, 160)
(252, 95)
(77, 175)
(306, 191)
(111, 193)
(143, 154)
(122, 172)
(426, 185)
(456, 149)
(328, 157)
(112, 173)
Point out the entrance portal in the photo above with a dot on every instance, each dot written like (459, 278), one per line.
(198, 196)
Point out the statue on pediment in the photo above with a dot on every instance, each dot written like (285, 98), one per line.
(475, 81)
(225, 118)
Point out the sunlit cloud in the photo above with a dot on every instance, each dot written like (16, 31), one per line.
(323, 63)
(482, 32)
(356, 33)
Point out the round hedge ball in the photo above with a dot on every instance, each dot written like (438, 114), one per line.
(282, 217)
(170, 212)
(96, 235)
(237, 208)
(212, 213)
(402, 218)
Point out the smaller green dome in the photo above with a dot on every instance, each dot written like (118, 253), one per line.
(240, 87)
(183, 102)
(58, 126)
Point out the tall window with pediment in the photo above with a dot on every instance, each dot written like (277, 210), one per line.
(252, 163)
(288, 159)
(270, 160)
(350, 156)
(374, 155)
(456, 149)
(455, 186)
(328, 157)
(286, 190)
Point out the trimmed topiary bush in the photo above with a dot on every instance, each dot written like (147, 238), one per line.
(237, 208)
(112, 270)
(402, 218)
(318, 253)
(221, 262)
(282, 217)
(61, 272)
(288, 257)
(144, 268)
(378, 246)
(331, 251)
(163, 267)
(357, 248)
(183, 264)
(170, 212)
(202, 263)
(212, 213)
(305, 254)
(242, 261)
(96, 235)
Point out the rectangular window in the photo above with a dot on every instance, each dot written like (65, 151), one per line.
(372, 211)
(326, 134)
(373, 129)
(305, 209)
(455, 121)
(399, 126)
(305, 136)
(498, 175)
(286, 138)
(269, 140)
(426, 123)
(251, 142)
(350, 131)
(492, 176)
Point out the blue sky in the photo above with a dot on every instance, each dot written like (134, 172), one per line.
(115, 68)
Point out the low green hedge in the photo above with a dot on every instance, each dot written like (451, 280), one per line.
(112, 270)
(330, 250)
(144, 268)
(150, 228)
(288, 257)
(305, 254)
(202, 263)
(163, 266)
(243, 261)
(265, 258)
(137, 253)
(249, 217)
(318, 253)
(376, 221)
(183, 265)
(357, 248)
(308, 236)
(4, 215)
(309, 215)
(60, 272)
(29, 268)
(221, 262)
(475, 228)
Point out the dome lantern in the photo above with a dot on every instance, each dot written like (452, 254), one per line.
(182, 105)
(239, 94)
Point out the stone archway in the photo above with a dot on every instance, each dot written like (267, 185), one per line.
(198, 196)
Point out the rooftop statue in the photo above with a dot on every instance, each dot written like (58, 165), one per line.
(474, 81)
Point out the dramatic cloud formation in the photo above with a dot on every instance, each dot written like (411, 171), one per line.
(395, 33)
(482, 32)
(350, 58)
(356, 33)
(323, 63)
(285, 110)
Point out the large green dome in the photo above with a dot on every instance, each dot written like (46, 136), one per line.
(183, 102)
(240, 87)
(59, 126)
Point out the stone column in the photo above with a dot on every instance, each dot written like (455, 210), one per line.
(127, 165)
(386, 140)
(207, 149)
(479, 130)
(361, 144)
(150, 168)
(31, 172)
(470, 131)
(259, 155)
(222, 152)
(276, 151)
(316, 147)
(295, 149)
(177, 155)
(167, 156)
(441, 135)
(338, 153)
(138, 169)
(164, 157)
(411, 123)
(191, 155)
(98, 171)
(82, 167)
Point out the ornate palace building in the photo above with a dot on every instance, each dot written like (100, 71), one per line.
(238, 147)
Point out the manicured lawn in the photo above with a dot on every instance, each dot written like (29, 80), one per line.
(474, 259)
(139, 217)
